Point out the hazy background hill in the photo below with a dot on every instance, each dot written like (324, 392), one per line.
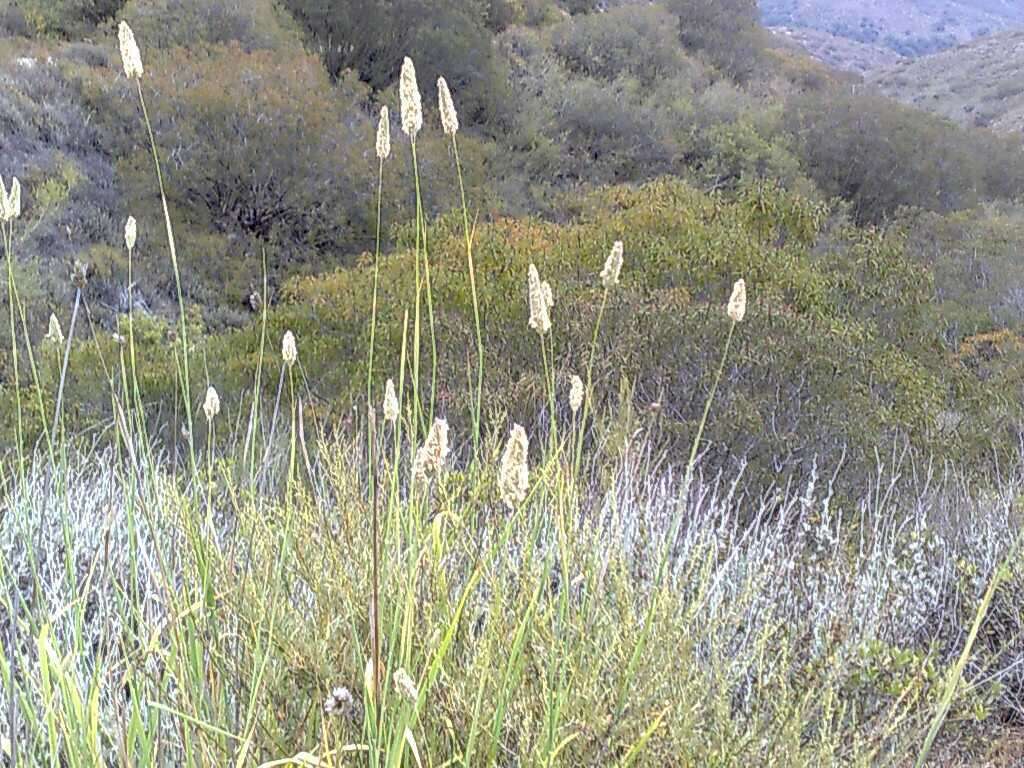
(980, 83)
(864, 34)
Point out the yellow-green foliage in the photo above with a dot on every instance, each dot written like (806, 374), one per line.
(834, 353)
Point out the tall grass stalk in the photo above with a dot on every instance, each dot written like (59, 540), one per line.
(184, 375)
(476, 400)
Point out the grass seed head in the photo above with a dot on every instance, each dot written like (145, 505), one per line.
(449, 117)
(10, 201)
(14, 199)
(289, 350)
(211, 406)
(54, 334)
(737, 308)
(130, 56)
(612, 266)
(575, 394)
(390, 402)
(431, 456)
(384, 135)
(131, 231)
(405, 686)
(514, 471)
(540, 316)
(409, 96)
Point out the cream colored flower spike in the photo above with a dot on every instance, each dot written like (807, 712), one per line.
(409, 96)
(131, 231)
(738, 302)
(449, 117)
(211, 406)
(390, 402)
(384, 135)
(612, 266)
(130, 56)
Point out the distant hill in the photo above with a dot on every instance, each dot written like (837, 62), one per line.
(909, 28)
(841, 52)
(977, 84)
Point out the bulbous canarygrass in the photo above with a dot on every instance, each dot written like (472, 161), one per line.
(737, 308)
(130, 56)
(14, 199)
(211, 406)
(390, 402)
(431, 456)
(612, 266)
(289, 349)
(405, 686)
(54, 334)
(131, 231)
(10, 201)
(384, 134)
(449, 117)
(514, 470)
(575, 394)
(409, 97)
(540, 316)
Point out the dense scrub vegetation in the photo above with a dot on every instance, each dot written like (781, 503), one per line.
(279, 570)
(852, 215)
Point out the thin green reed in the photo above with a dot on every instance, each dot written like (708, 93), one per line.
(184, 376)
(736, 311)
(383, 151)
(450, 124)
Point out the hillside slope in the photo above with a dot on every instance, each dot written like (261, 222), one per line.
(978, 84)
(910, 27)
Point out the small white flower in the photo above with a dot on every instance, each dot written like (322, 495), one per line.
(390, 402)
(289, 350)
(211, 406)
(339, 702)
(130, 232)
(130, 56)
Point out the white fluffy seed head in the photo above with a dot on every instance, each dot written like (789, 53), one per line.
(514, 471)
(14, 199)
(449, 117)
(54, 334)
(211, 406)
(612, 266)
(384, 134)
(131, 231)
(737, 308)
(431, 456)
(540, 316)
(289, 349)
(130, 56)
(390, 402)
(409, 96)
(575, 394)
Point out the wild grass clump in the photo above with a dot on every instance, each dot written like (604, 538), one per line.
(288, 591)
